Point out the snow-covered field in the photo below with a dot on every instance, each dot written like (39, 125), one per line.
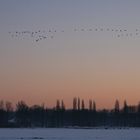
(70, 134)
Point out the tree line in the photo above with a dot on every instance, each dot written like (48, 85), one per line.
(79, 116)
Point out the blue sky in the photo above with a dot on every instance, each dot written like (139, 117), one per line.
(95, 65)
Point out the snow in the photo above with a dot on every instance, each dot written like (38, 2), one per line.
(69, 134)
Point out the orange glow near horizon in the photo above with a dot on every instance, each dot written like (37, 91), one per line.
(104, 93)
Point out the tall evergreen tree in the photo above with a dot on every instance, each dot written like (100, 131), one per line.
(125, 108)
(90, 105)
(75, 103)
(62, 105)
(138, 107)
(57, 105)
(83, 105)
(117, 106)
(94, 106)
(78, 103)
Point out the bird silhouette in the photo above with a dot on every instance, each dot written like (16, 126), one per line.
(39, 35)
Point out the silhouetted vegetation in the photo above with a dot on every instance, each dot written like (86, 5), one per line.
(59, 116)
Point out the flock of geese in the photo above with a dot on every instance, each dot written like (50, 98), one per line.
(40, 35)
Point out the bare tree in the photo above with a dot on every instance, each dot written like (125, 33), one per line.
(1, 105)
(22, 114)
(8, 106)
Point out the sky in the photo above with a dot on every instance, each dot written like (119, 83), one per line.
(99, 65)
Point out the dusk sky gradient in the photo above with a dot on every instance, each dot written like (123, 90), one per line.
(89, 65)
